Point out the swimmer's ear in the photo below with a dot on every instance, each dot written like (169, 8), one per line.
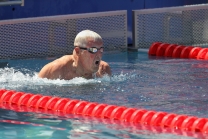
(77, 50)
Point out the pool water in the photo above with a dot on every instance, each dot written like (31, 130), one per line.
(139, 81)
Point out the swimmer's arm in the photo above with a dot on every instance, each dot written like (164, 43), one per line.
(104, 69)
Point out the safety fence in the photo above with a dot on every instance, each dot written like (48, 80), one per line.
(54, 35)
(184, 25)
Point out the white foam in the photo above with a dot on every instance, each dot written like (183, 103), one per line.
(10, 77)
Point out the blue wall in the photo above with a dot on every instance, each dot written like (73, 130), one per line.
(36, 8)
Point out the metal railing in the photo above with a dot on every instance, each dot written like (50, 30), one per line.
(14, 2)
(184, 25)
(54, 35)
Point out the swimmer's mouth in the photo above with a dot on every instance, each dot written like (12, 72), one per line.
(97, 62)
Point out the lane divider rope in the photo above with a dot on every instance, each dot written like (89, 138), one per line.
(21, 101)
(178, 51)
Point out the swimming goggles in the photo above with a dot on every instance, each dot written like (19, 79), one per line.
(92, 50)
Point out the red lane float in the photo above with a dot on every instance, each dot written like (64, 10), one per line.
(178, 51)
(20, 101)
(202, 53)
(194, 52)
(186, 51)
(161, 49)
(153, 48)
(169, 50)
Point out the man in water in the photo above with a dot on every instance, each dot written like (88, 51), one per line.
(84, 62)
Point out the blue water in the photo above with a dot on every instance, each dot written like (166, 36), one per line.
(161, 84)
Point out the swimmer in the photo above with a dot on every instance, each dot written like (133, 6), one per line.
(84, 62)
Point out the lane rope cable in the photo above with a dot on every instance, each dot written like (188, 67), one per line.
(27, 102)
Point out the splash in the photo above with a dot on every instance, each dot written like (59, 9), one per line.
(124, 76)
(11, 78)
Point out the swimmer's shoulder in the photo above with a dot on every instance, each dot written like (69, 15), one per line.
(55, 68)
(66, 58)
(63, 60)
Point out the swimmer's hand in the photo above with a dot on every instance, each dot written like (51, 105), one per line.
(104, 69)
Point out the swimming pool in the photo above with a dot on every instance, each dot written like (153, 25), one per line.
(160, 84)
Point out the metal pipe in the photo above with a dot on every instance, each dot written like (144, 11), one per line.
(12, 3)
(23, 3)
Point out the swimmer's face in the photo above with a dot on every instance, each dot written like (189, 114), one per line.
(90, 58)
